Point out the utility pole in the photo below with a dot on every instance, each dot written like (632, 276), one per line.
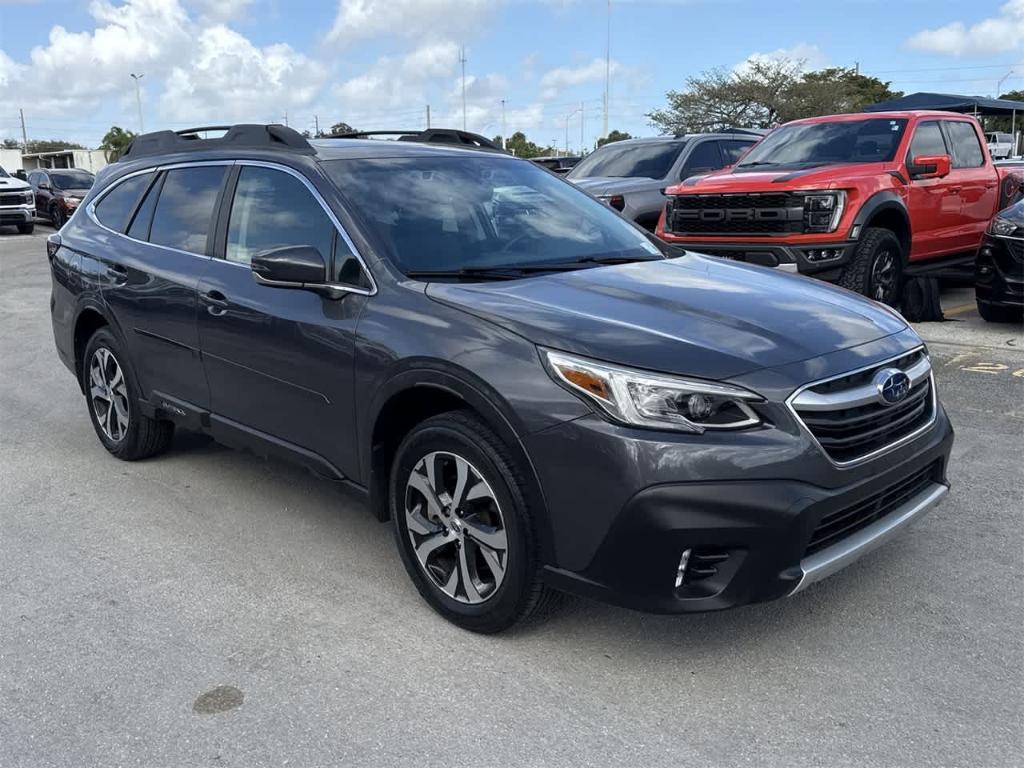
(428, 117)
(607, 71)
(138, 100)
(462, 61)
(24, 133)
(583, 122)
(504, 132)
(286, 118)
(316, 126)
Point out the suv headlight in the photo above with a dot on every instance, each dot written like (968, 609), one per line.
(823, 210)
(1002, 227)
(652, 400)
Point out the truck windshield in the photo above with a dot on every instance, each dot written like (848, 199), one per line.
(648, 160)
(873, 140)
(482, 217)
(3, 173)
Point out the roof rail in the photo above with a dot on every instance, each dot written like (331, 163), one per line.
(243, 135)
(428, 136)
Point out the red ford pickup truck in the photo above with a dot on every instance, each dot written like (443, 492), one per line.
(858, 199)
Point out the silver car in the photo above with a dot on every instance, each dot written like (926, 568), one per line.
(630, 175)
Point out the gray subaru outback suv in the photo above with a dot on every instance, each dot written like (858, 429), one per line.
(535, 392)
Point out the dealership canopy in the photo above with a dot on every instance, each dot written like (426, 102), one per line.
(949, 102)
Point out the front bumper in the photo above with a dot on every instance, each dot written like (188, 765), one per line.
(824, 260)
(17, 214)
(999, 272)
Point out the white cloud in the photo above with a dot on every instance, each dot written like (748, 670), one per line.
(811, 56)
(398, 81)
(997, 34)
(554, 81)
(364, 19)
(220, 11)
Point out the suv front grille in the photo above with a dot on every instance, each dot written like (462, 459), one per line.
(836, 526)
(772, 213)
(1016, 249)
(849, 420)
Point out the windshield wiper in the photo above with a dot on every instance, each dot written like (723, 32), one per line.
(514, 271)
(488, 273)
(756, 164)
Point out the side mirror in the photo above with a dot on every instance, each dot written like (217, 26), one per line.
(44, 185)
(929, 167)
(295, 266)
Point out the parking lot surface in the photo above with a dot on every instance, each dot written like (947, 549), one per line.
(211, 608)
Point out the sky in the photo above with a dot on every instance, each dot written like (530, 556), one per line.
(377, 64)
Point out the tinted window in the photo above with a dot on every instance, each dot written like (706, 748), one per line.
(273, 209)
(651, 160)
(139, 228)
(967, 152)
(927, 141)
(185, 208)
(117, 205)
(872, 140)
(447, 213)
(705, 157)
(733, 150)
(72, 179)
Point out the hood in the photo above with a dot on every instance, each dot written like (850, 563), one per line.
(616, 185)
(13, 184)
(783, 179)
(75, 192)
(694, 315)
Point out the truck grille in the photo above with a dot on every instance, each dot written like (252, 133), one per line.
(849, 419)
(772, 213)
(15, 198)
(836, 526)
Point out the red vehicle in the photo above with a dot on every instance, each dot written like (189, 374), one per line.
(857, 199)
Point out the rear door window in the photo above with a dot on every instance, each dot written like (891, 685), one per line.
(967, 152)
(139, 226)
(117, 205)
(928, 141)
(185, 208)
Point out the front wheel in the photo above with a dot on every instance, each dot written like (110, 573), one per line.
(26, 229)
(57, 217)
(463, 528)
(993, 313)
(876, 270)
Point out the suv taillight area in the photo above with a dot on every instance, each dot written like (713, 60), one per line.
(767, 213)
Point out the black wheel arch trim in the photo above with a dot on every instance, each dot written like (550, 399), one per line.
(886, 200)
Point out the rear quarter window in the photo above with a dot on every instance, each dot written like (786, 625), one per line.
(117, 205)
(967, 151)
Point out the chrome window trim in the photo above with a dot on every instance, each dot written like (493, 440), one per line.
(90, 209)
(885, 448)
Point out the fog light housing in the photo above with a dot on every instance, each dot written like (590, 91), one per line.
(681, 570)
(819, 255)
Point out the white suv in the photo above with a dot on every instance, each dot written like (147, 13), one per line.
(17, 203)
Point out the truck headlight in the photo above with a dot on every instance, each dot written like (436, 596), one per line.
(30, 197)
(823, 210)
(653, 400)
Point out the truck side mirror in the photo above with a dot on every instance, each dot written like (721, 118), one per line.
(929, 167)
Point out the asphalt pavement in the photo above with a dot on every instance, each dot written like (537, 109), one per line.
(208, 608)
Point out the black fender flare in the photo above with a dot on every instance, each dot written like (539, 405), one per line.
(886, 200)
(477, 395)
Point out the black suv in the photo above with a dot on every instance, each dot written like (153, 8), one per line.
(535, 391)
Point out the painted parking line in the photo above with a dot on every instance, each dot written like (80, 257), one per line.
(959, 310)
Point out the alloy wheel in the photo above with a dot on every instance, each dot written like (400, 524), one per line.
(456, 527)
(883, 277)
(108, 394)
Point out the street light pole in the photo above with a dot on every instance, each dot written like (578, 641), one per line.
(504, 133)
(138, 100)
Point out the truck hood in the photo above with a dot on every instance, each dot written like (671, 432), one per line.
(616, 185)
(694, 315)
(782, 179)
(13, 184)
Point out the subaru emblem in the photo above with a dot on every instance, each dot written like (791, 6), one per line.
(892, 386)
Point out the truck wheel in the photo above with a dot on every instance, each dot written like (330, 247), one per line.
(463, 526)
(992, 313)
(876, 269)
(112, 396)
(26, 229)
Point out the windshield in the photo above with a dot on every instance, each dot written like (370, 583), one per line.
(4, 174)
(451, 214)
(649, 160)
(874, 140)
(72, 179)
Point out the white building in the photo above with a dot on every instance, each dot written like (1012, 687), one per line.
(86, 159)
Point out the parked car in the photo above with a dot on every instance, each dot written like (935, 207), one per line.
(999, 271)
(1000, 145)
(560, 165)
(522, 381)
(631, 175)
(857, 199)
(17, 203)
(59, 191)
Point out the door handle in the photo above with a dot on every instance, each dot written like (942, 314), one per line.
(953, 190)
(216, 302)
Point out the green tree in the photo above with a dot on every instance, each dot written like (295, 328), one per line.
(763, 94)
(1005, 124)
(341, 128)
(613, 136)
(11, 144)
(520, 146)
(115, 141)
(51, 145)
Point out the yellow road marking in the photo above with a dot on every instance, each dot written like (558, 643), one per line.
(959, 310)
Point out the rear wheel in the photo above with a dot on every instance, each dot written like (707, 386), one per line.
(462, 524)
(992, 313)
(876, 270)
(112, 395)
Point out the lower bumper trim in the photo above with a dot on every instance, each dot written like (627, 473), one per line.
(828, 561)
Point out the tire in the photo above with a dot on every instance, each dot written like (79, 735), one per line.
(112, 401)
(57, 217)
(26, 229)
(879, 253)
(494, 505)
(920, 301)
(992, 313)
